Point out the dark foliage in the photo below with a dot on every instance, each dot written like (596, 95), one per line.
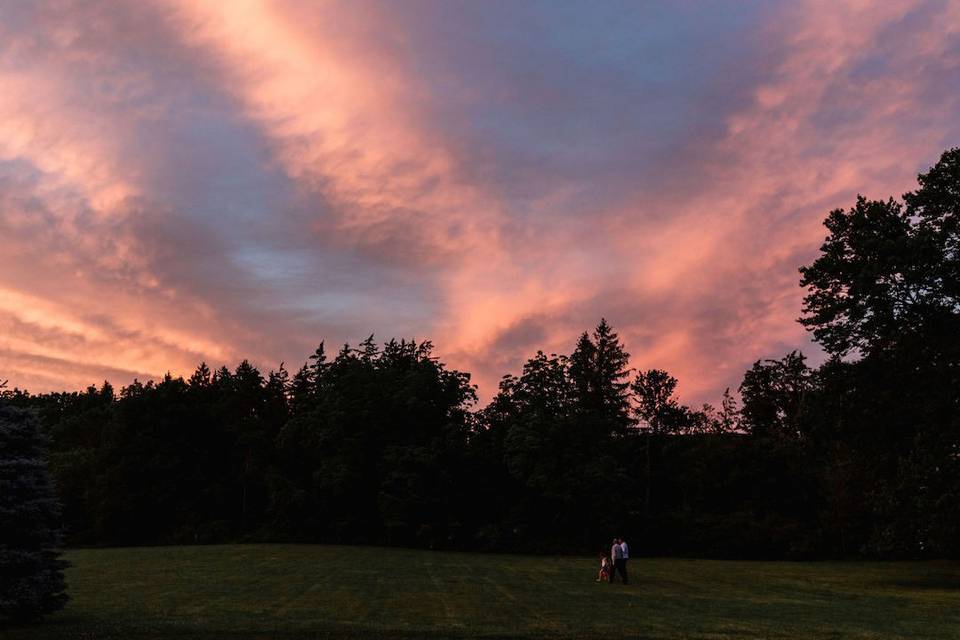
(859, 456)
(31, 572)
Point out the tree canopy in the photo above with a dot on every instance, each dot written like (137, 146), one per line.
(382, 443)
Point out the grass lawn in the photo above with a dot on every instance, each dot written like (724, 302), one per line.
(286, 591)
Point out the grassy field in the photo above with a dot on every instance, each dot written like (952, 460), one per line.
(287, 591)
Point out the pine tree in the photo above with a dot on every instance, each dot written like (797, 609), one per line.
(31, 571)
(611, 370)
(201, 377)
(599, 368)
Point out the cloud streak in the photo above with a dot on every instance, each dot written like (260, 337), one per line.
(191, 180)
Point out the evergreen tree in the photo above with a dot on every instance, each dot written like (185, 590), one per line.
(31, 571)
(598, 369)
(201, 377)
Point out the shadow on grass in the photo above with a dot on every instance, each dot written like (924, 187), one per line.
(64, 628)
(945, 582)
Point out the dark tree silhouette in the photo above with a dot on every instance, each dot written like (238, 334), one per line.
(888, 271)
(658, 413)
(379, 443)
(774, 393)
(31, 571)
(887, 287)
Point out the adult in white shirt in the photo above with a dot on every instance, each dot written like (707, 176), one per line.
(616, 554)
(624, 556)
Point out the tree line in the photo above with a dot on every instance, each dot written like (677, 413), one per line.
(380, 443)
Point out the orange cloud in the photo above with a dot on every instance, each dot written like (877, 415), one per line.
(217, 180)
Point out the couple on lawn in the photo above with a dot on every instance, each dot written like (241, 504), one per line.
(615, 563)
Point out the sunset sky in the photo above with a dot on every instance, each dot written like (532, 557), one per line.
(207, 180)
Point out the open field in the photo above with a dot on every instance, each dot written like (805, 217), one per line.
(286, 591)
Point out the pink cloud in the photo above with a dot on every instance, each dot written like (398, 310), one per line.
(388, 203)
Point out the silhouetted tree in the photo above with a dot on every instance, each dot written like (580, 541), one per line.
(773, 393)
(727, 418)
(378, 444)
(598, 370)
(658, 413)
(886, 287)
(31, 571)
(373, 448)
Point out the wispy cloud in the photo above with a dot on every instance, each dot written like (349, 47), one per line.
(185, 180)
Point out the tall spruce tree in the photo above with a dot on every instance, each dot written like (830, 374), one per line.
(31, 571)
(599, 368)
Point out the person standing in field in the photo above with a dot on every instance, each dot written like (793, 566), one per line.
(616, 555)
(624, 556)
